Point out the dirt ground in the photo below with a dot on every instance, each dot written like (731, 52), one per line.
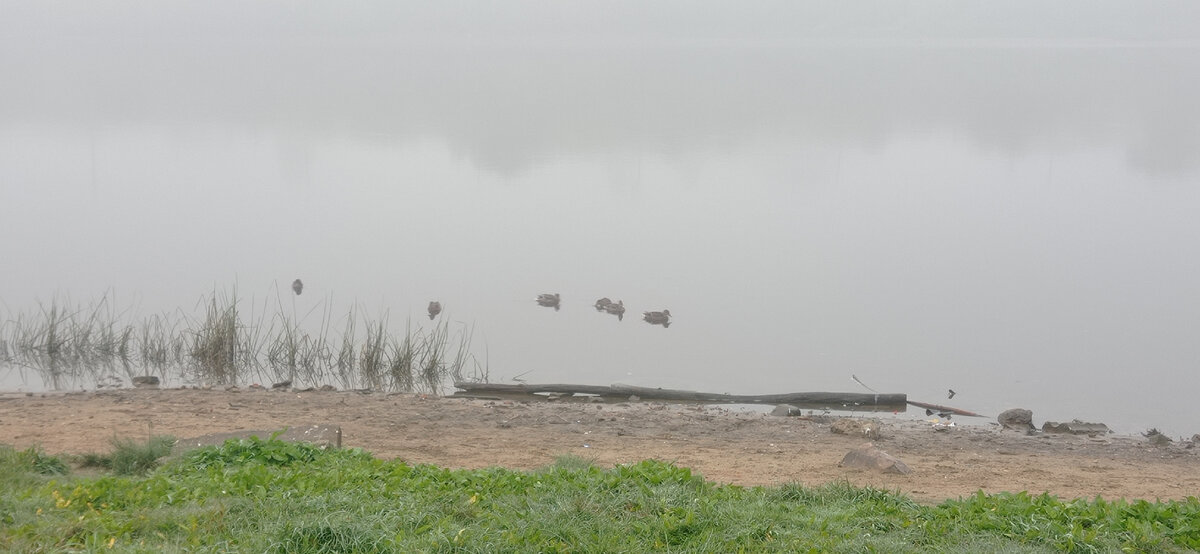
(727, 446)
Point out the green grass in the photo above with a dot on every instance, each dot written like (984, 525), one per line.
(270, 496)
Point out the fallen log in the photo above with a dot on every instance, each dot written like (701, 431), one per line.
(944, 409)
(819, 400)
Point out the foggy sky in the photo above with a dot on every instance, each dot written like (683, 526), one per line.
(644, 77)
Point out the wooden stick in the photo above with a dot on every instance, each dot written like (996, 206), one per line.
(946, 409)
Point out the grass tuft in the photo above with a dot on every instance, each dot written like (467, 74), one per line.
(129, 457)
(32, 459)
(137, 458)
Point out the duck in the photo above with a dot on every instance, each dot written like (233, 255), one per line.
(603, 304)
(616, 308)
(549, 300)
(435, 308)
(658, 318)
(297, 287)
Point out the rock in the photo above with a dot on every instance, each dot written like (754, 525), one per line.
(869, 457)
(1075, 427)
(1156, 437)
(328, 388)
(785, 410)
(867, 428)
(145, 381)
(1159, 440)
(1016, 418)
(281, 385)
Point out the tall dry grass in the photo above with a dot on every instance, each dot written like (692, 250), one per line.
(233, 341)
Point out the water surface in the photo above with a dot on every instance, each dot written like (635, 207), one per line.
(997, 200)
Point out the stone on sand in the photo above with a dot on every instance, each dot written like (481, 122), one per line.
(869, 457)
(1019, 419)
(867, 428)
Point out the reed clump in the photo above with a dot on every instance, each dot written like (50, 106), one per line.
(231, 341)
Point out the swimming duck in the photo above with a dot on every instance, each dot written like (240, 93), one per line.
(549, 300)
(658, 318)
(602, 304)
(616, 308)
(297, 287)
(435, 308)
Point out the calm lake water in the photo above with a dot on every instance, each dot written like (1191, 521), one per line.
(996, 200)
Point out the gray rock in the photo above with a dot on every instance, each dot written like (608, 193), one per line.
(869, 457)
(1016, 418)
(1156, 438)
(282, 385)
(145, 381)
(1075, 427)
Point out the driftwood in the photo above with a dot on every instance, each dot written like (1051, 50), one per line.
(822, 400)
(944, 409)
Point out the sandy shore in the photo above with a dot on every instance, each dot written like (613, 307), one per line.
(724, 446)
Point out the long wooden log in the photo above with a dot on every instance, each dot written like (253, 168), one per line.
(534, 389)
(832, 400)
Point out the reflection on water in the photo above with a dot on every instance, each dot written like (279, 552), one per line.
(995, 199)
(70, 347)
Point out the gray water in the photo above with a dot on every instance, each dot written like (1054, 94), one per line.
(996, 198)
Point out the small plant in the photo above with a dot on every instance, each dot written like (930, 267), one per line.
(254, 450)
(34, 459)
(94, 459)
(133, 458)
(572, 463)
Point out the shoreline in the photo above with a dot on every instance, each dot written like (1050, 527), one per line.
(725, 446)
